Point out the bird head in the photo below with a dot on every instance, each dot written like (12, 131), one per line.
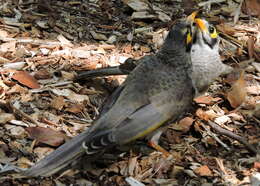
(180, 35)
(205, 33)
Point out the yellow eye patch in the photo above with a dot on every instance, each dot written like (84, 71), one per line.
(212, 31)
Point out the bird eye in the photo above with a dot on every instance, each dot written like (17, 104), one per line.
(211, 29)
(212, 32)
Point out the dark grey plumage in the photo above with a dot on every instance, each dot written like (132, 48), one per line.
(157, 90)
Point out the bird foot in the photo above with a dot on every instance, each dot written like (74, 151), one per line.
(159, 148)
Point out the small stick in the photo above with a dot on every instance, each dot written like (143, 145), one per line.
(215, 137)
(232, 135)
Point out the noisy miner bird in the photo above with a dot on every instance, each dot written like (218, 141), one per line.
(206, 62)
(156, 91)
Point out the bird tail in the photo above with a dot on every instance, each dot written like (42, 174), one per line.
(60, 158)
(99, 73)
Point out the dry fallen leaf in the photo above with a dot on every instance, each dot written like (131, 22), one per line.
(26, 79)
(237, 95)
(5, 117)
(206, 115)
(42, 74)
(58, 102)
(46, 135)
(251, 7)
(75, 108)
(257, 165)
(208, 100)
(203, 171)
(183, 125)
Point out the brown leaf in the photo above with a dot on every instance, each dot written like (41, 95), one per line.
(58, 102)
(208, 100)
(26, 79)
(184, 124)
(42, 74)
(203, 171)
(75, 108)
(251, 7)
(257, 165)
(46, 135)
(237, 95)
(206, 115)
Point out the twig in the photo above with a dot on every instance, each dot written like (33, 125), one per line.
(215, 137)
(237, 12)
(232, 135)
(30, 40)
(210, 2)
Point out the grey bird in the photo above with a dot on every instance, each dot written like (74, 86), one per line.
(156, 91)
(206, 62)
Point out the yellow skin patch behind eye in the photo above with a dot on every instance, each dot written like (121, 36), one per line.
(214, 34)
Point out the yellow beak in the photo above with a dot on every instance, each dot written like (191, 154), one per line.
(200, 23)
(191, 17)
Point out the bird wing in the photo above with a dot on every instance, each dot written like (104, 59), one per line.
(73, 149)
(134, 113)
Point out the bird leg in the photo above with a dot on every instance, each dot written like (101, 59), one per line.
(154, 140)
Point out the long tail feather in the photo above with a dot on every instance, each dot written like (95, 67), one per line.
(60, 158)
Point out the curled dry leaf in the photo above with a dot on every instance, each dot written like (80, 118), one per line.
(46, 135)
(237, 95)
(26, 79)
